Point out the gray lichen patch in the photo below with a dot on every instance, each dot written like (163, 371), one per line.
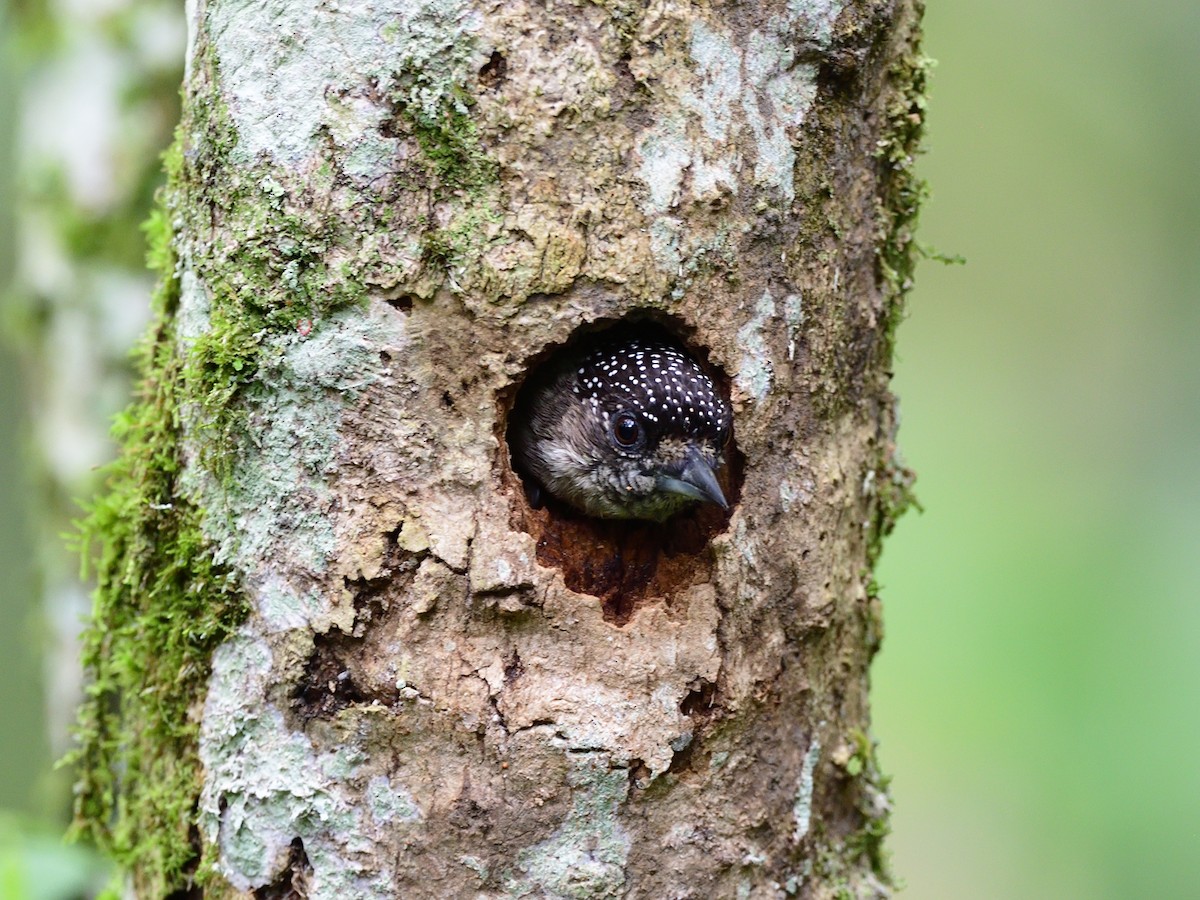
(266, 785)
(292, 71)
(390, 804)
(802, 808)
(755, 370)
(738, 81)
(274, 504)
(585, 857)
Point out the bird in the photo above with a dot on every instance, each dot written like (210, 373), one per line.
(627, 427)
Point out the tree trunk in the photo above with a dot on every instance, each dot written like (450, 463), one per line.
(336, 651)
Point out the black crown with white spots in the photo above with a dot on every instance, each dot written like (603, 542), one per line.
(657, 382)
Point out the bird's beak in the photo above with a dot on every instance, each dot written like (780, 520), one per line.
(696, 479)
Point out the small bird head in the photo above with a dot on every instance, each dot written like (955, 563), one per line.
(632, 429)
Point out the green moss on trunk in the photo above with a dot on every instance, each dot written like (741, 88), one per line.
(161, 607)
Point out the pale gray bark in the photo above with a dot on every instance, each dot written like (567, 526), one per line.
(438, 691)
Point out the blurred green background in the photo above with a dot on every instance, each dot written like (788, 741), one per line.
(1037, 696)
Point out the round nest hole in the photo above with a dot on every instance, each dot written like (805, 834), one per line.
(623, 562)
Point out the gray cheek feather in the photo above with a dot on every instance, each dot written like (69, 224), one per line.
(575, 469)
(563, 463)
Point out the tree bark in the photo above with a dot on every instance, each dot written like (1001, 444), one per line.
(336, 652)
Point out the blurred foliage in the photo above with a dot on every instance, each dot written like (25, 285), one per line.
(35, 864)
(1036, 694)
(88, 97)
(23, 745)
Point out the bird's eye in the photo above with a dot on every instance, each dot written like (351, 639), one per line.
(626, 430)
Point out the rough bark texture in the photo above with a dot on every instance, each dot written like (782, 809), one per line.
(382, 216)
